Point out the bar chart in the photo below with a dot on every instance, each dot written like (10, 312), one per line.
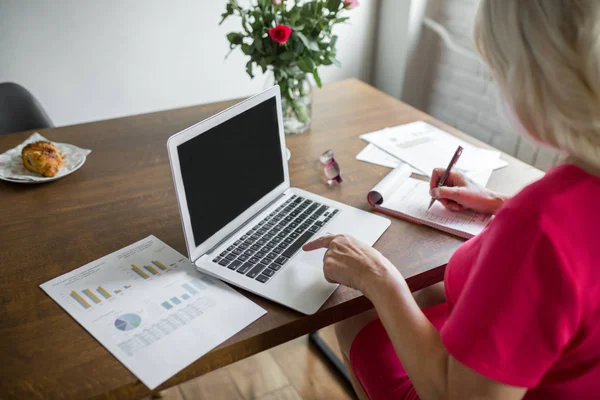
(80, 300)
(103, 292)
(191, 287)
(138, 271)
(149, 270)
(87, 297)
(92, 298)
(159, 265)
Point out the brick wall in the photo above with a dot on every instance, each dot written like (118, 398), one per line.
(459, 92)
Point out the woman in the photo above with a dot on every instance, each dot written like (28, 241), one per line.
(519, 311)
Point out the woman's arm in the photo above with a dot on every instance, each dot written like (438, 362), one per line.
(433, 372)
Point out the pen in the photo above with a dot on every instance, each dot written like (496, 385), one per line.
(444, 177)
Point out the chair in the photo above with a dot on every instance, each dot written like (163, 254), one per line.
(19, 110)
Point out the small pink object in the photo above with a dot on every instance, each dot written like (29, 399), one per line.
(350, 4)
(332, 168)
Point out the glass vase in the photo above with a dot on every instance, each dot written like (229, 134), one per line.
(296, 101)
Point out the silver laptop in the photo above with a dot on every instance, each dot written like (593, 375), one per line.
(242, 221)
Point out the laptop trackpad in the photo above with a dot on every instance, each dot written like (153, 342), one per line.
(312, 258)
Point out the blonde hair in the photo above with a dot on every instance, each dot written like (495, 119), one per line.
(545, 55)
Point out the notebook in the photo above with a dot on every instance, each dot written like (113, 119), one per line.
(404, 197)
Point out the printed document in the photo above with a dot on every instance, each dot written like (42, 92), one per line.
(151, 309)
(374, 155)
(425, 147)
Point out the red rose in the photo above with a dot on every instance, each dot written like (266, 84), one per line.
(280, 33)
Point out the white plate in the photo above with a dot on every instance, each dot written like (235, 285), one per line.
(12, 169)
(44, 180)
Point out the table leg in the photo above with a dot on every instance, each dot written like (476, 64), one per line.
(330, 356)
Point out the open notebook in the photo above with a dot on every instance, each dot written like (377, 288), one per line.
(403, 197)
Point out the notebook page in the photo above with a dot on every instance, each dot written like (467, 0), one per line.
(412, 199)
(388, 185)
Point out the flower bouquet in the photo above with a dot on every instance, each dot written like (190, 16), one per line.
(291, 39)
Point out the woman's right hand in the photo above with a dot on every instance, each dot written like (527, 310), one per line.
(460, 193)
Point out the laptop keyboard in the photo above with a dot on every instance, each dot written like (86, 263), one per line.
(269, 245)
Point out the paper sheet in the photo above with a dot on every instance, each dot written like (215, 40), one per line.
(412, 199)
(374, 155)
(151, 309)
(426, 147)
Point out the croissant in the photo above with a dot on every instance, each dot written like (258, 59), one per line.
(42, 157)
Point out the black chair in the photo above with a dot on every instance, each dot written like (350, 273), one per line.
(19, 110)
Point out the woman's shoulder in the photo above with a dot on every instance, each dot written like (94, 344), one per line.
(565, 191)
(558, 211)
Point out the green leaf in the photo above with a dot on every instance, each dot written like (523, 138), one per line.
(263, 64)
(310, 44)
(306, 64)
(227, 13)
(333, 41)
(317, 78)
(326, 61)
(340, 20)
(234, 38)
(307, 11)
(258, 44)
(333, 5)
(335, 61)
(298, 47)
(288, 55)
(249, 69)
(224, 17)
(247, 49)
(294, 15)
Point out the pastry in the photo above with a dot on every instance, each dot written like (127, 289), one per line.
(42, 157)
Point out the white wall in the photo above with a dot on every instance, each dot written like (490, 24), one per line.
(457, 89)
(398, 31)
(89, 60)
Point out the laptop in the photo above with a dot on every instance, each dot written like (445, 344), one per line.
(243, 222)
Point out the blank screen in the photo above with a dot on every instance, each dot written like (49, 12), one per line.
(228, 168)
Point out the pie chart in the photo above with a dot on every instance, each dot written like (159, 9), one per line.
(127, 322)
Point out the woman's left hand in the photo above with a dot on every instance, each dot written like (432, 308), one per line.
(353, 263)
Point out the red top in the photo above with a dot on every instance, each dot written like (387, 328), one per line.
(524, 295)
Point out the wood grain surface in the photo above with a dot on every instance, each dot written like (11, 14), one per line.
(124, 192)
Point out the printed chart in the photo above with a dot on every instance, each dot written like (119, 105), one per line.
(128, 322)
(151, 309)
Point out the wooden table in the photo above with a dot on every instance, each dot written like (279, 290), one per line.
(124, 193)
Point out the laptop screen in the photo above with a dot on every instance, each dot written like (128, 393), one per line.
(228, 168)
